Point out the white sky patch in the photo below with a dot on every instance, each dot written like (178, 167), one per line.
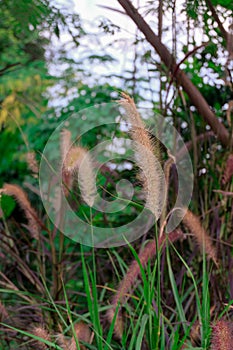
(89, 9)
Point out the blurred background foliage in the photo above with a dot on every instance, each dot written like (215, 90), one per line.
(41, 82)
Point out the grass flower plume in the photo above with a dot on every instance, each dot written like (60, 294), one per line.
(151, 174)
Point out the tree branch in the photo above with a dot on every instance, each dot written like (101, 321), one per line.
(3, 70)
(194, 94)
(216, 18)
(160, 18)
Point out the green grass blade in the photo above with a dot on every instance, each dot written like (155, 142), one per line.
(176, 294)
(141, 332)
(47, 342)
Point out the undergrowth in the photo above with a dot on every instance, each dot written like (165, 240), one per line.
(163, 291)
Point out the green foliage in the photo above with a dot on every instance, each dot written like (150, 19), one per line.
(224, 3)
(24, 78)
(7, 205)
(192, 8)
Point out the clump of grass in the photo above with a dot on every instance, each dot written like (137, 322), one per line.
(149, 322)
(152, 182)
(82, 334)
(125, 286)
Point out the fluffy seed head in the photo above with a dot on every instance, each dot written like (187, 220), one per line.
(41, 333)
(83, 334)
(21, 197)
(145, 154)
(192, 222)
(78, 160)
(222, 336)
(65, 142)
(32, 163)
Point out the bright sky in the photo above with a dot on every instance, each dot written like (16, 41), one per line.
(91, 12)
(120, 45)
(89, 9)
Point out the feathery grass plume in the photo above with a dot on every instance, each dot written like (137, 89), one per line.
(30, 213)
(65, 145)
(185, 346)
(167, 168)
(119, 322)
(62, 341)
(83, 334)
(195, 333)
(222, 336)
(42, 333)
(228, 172)
(145, 153)
(32, 163)
(132, 274)
(79, 160)
(192, 222)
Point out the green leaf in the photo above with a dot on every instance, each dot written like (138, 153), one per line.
(7, 205)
